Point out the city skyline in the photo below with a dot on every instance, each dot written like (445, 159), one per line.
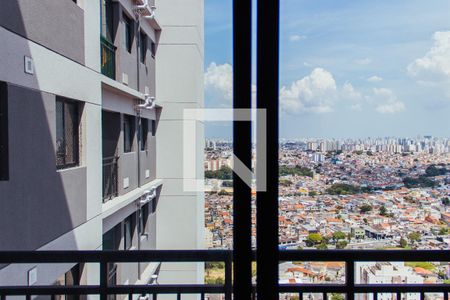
(346, 68)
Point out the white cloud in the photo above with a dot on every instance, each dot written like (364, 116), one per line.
(350, 94)
(219, 81)
(314, 93)
(436, 62)
(387, 101)
(374, 79)
(296, 38)
(363, 61)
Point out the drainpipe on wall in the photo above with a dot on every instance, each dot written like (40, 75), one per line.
(138, 114)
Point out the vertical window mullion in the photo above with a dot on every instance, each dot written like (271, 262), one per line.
(268, 99)
(242, 53)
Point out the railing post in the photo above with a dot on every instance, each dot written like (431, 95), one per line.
(267, 69)
(228, 276)
(103, 279)
(350, 279)
(242, 148)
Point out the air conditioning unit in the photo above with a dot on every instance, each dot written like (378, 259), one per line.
(146, 297)
(144, 9)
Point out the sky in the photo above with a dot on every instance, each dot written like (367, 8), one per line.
(355, 68)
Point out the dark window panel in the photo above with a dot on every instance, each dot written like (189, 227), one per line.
(67, 133)
(128, 232)
(143, 46)
(4, 151)
(128, 133)
(153, 48)
(128, 32)
(153, 127)
(144, 134)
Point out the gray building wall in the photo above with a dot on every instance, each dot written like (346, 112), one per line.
(55, 24)
(38, 202)
(128, 62)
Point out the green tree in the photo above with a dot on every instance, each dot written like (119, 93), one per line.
(335, 296)
(296, 170)
(446, 201)
(414, 236)
(313, 239)
(365, 208)
(224, 173)
(443, 231)
(383, 211)
(403, 243)
(341, 244)
(343, 189)
(322, 246)
(312, 193)
(421, 181)
(432, 171)
(338, 235)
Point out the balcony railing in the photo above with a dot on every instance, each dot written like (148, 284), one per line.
(110, 178)
(349, 288)
(108, 58)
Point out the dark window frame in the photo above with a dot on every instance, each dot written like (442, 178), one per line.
(143, 46)
(153, 127)
(107, 16)
(143, 132)
(4, 135)
(128, 32)
(128, 136)
(65, 105)
(128, 232)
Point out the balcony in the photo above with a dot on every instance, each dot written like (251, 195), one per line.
(108, 58)
(110, 178)
(350, 287)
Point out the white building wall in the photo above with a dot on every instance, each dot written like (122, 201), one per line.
(179, 85)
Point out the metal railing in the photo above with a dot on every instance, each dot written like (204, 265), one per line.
(108, 58)
(105, 257)
(349, 287)
(110, 178)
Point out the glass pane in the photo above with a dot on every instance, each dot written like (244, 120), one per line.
(60, 137)
(71, 132)
(128, 133)
(144, 134)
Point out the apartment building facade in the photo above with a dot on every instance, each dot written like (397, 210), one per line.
(91, 101)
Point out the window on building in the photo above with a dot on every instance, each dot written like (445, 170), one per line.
(153, 127)
(144, 134)
(143, 218)
(143, 46)
(67, 133)
(107, 13)
(153, 203)
(153, 48)
(128, 233)
(128, 133)
(4, 155)
(128, 32)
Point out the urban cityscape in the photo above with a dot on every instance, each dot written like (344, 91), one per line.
(369, 193)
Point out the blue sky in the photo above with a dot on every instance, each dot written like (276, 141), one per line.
(347, 68)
